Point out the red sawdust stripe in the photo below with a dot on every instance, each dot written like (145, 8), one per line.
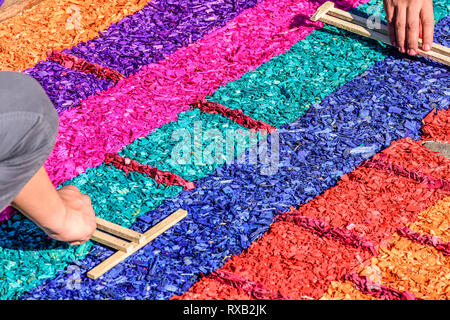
(161, 177)
(254, 289)
(366, 286)
(75, 63)
(322, 229)
(209, 289)
(288, 260)
(235, 115)
(413, 156)
(424, 239)
(437, 126)
(431, 182)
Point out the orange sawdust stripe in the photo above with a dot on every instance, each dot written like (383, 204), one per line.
(425, 239)
(55, 25)
(345, 291)
(435, 221)
(414, 267)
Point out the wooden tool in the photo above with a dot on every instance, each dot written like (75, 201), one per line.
(327, 13)
(127, 241)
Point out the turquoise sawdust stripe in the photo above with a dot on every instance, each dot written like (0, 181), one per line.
(27, 256)
(208, 140)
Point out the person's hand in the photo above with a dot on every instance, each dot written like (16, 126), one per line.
(79, 222)
(407, 21)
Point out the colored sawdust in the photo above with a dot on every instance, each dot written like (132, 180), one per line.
(55, 25)
(345, 291)
(437, 126)
(414, 267)
(435, 221)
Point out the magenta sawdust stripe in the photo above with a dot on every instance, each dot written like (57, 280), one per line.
(366, 286)
(424, 239)
(322, 229)
(235, 115)
(75, 63)
(431, 182)
(254, 289)
(161, 177)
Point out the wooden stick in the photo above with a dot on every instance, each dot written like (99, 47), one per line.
(111, 241)
(119, 231)
(341, 19)
(13, 7)
(148, 236)
(347, 16)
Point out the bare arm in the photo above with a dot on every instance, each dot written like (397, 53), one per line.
(65, 214)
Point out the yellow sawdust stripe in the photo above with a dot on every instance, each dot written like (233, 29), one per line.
(55, 25)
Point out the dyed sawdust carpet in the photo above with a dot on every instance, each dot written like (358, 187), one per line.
(300, 152)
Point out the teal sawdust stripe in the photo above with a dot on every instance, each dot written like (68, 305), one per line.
(193, 146)
(27, 256)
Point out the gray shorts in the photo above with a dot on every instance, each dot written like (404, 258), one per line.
(28, 129)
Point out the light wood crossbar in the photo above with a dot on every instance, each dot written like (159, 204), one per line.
(125, 249)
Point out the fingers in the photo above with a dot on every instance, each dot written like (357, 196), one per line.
(390, 17)
(400, 28)
(412, 29)
(427, 21)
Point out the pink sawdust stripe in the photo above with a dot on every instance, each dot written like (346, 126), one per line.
(322, 229)
(75, 63)
(424, 239)
(252, 288)
(418, 176)
(366, 286)
(161, 177)
(237, 115)
(155, 95)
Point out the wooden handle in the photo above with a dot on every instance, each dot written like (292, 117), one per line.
(119, 231)
(383, 28)
(344, 20)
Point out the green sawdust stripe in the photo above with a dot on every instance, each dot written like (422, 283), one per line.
(315, 72)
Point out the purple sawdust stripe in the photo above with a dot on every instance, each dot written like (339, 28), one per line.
(254, 289)
(424, 239)
(72, 62)
(235, 115)
(366, 286)
(431, 182)
(161, 177)
(66, 87)
(322, 229)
